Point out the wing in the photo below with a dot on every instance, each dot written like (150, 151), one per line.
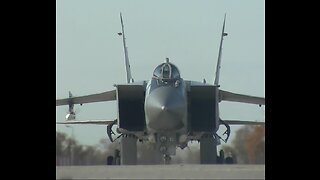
(229, 96)
(105, 96)
(238, 122)
(96, 122)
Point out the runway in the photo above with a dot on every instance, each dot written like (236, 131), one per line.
(187, 171)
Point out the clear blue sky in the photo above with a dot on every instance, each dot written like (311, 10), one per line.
(90, 59)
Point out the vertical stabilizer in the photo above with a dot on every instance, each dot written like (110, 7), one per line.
(216, 81)
(126, 57)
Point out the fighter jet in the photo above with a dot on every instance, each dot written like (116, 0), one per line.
(166, 111)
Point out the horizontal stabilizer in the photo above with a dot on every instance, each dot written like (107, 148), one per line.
(105, 96)
(96, 122)
(229, 96)
(239, 122)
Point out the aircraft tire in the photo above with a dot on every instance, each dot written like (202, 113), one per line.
(110, 160)
(229, 160)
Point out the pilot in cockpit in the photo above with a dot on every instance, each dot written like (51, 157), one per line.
(167, 74)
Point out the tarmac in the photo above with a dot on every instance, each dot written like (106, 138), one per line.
(177, 171)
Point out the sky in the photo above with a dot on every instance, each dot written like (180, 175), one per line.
(90, 58)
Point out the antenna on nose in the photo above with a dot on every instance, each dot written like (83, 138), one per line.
(167, 60)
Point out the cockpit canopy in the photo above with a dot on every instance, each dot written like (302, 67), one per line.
(166, 72)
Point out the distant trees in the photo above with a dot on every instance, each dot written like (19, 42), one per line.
(69, 152)
(60, 144)
(249, 145)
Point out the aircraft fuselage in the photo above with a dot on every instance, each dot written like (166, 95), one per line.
(166, 110)
(166, 107)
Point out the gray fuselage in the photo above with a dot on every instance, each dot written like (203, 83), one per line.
(166, 106)
(166, 109)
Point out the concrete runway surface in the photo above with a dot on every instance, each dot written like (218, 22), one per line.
(186, 171)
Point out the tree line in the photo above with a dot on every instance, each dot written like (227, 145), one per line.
(248, 147)
(70, 152)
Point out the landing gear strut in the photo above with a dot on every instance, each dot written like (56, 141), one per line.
(208, 149)
(128, 149)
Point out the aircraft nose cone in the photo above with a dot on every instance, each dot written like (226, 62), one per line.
(165, 108)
